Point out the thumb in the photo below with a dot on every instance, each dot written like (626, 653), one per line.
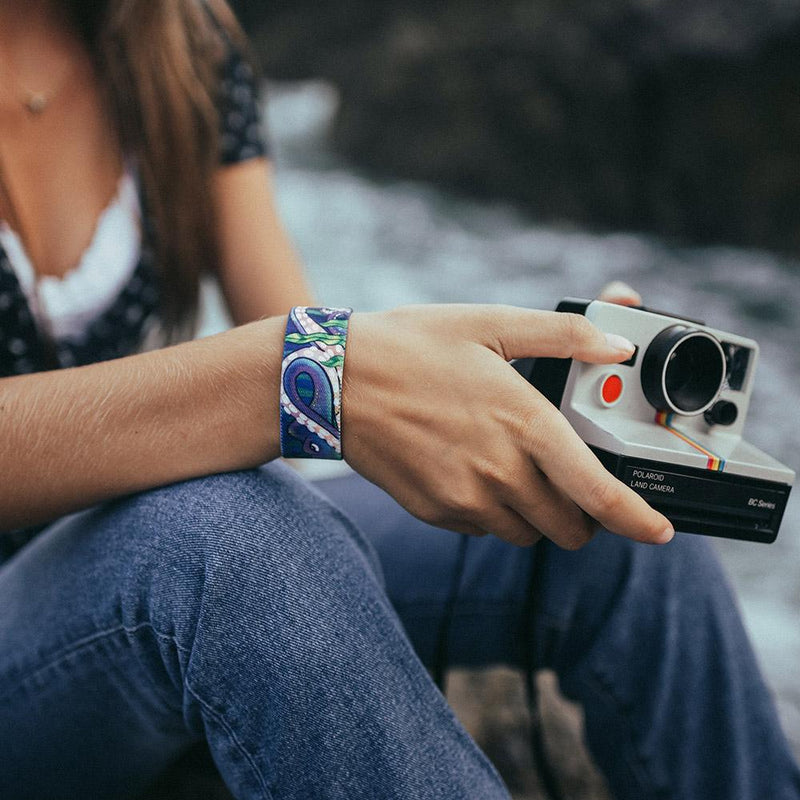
(527, 333)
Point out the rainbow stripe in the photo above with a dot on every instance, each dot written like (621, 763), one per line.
(715, 462)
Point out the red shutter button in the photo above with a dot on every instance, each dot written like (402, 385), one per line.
(611, 387)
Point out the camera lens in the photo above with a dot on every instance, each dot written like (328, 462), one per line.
(683, 370)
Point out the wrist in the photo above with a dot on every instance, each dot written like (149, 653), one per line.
(312, 369)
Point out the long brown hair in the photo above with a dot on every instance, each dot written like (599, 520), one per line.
(158, 61)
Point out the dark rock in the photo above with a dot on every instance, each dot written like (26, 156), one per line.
(673, 116)
(492, 706)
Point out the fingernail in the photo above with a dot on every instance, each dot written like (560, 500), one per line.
(619, 343)
(667, 534)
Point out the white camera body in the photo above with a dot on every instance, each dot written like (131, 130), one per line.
(669, 421)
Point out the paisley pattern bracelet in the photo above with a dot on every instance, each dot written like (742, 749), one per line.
(311, 382)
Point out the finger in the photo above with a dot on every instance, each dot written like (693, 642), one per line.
(549, 510)
(525, 333)
(620, 293)
(506, 524)
(572, 467)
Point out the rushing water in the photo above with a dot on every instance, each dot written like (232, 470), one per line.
(375, 245)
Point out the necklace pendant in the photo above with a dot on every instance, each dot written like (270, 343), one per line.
(36, 102)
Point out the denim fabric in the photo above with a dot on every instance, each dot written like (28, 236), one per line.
(647, 639)
(246, 610)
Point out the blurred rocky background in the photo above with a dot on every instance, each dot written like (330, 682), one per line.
(679, 117)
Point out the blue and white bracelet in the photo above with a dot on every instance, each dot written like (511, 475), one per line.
(311, 382)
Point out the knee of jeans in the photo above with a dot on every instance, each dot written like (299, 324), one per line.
(697, 580)
(614, 577)
(235, 539)
(617, 596)
(685, 571)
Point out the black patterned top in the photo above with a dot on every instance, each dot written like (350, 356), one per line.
(120, 330)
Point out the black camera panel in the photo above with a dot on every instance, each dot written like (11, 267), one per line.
(711, 503)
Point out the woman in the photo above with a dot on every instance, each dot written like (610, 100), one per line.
(159, 588)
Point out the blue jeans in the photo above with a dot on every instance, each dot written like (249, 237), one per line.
(247, 610)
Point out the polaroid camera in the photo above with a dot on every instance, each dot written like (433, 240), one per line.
(668, 422)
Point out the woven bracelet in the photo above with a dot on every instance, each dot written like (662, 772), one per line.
(311, 382)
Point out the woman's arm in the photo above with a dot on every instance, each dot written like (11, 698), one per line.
(71, 438)
(259, 271)
(431, 411)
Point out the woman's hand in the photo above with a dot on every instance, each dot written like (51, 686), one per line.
(434, 414)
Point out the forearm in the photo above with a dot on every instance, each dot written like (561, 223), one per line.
(259, 271)
(270, 286)
(72, 438)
